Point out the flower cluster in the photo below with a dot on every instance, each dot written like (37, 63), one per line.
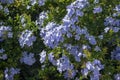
(117, 9)
(3, 56)
(5, 31)
(93, 67)
(28, 58)
(2, 50)
(51, 34)
(74, 10)
(4, 9)
(70, 74)
(111, 22)
(116, 54)
(75, 51)
(42, 17)
(64, 65)
(26, 38)
(40, 2)
(9, 73)
(7, 1)
(23, 20)
(117, 76)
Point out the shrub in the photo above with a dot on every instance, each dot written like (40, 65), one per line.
(59, 40)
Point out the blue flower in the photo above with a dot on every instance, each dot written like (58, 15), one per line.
(79, 13)
(84, 71)
(3, 57)
(7, 1)
(97, 48)
(27, 58)
(90, 66)
(98, 64)
(2, 50)
(116, 54)
(95, 75)
(75, 51)
(33, 2)
(64, 64)
(91, 39)
(10, 35)
(26, 38)
(41, 2)
(93, 67)
(109, 21)
(74, 10)
(6, 29)
(42, 17)
(70, 11)
(42, 56)
(6, 10)
(70, 74)
(115, 29)
(117, 8)
(106, 29)
(9, 73)
(1, 7)
(52, 35)
(97, 10)
(80, 4)
(117, 76)
(51, 58)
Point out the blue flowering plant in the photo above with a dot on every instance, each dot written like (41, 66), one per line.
(59, 40)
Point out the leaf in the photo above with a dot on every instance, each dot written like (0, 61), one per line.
(87, 53)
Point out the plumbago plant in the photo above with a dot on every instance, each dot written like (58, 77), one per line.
(59, 40)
